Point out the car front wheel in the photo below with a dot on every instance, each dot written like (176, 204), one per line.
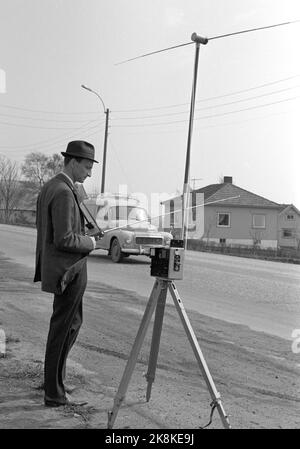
(115, 251)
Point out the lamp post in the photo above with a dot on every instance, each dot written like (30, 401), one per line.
(106, 112)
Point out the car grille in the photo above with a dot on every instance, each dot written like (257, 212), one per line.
(148, 240)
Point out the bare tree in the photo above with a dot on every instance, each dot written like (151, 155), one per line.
(11, 191)
(54, 165)
(34, 168)
(256, 238)
(39, 168)
(207, 231)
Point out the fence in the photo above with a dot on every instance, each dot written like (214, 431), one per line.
(18, 217)
(291, 255)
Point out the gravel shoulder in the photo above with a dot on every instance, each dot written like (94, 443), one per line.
(256, 374)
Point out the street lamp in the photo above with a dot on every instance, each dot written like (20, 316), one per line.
(106, 112)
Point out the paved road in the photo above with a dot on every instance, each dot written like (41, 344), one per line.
(262, 295)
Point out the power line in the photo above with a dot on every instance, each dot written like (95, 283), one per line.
(47, 112)
(160, 115)
(47, 147)
(249, 108)
(51, 142)
(239, 122)
(43, 119)
(209, 39)
(83, 135)
(136, 110)
(208, 116)
(35, 127)
(208, 107)
(209, 98)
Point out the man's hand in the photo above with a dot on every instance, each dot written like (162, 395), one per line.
(98, 238)
(99, 235)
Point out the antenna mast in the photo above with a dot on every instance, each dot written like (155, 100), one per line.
(186, 188)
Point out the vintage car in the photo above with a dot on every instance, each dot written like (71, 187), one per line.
(127, 227)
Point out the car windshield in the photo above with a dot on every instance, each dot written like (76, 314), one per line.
(129, 213)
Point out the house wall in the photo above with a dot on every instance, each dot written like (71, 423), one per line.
(241, 229)
(293, 225)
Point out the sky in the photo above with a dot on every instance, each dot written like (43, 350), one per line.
(247, 101)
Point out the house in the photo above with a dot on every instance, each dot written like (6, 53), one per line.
(289, 227)
(234, 216)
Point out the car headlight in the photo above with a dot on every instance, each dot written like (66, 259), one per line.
(129, 238)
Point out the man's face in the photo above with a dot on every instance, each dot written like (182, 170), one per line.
(82, 169)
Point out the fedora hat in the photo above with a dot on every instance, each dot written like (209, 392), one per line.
(80, 148)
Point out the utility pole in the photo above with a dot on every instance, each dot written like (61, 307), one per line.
(104, 151)
(106, 112)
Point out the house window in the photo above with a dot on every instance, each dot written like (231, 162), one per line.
(223, 241)
(258, 221)
(223, 219)
(290, 217)
(287, 233)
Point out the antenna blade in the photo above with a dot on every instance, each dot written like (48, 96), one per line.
(251, 30)
(154, 52)
(209, 39)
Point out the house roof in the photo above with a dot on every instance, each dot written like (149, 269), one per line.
(217, 194)
(241, 197)
(286, 207)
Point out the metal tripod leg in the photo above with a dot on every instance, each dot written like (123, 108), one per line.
(134, 354)
(198, 353)
(157, 327)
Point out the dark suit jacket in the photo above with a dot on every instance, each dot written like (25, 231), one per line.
(61, 244)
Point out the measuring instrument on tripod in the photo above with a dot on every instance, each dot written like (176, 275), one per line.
(166, 267)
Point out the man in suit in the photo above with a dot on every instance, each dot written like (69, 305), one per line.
(61, 250)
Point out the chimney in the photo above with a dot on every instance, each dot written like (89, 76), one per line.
(228, 179)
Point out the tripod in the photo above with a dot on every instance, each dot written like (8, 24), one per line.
(157, 302)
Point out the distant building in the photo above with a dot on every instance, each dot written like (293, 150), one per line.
(289, 226)
(248, 219)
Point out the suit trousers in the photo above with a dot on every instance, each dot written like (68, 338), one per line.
(64, 327)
